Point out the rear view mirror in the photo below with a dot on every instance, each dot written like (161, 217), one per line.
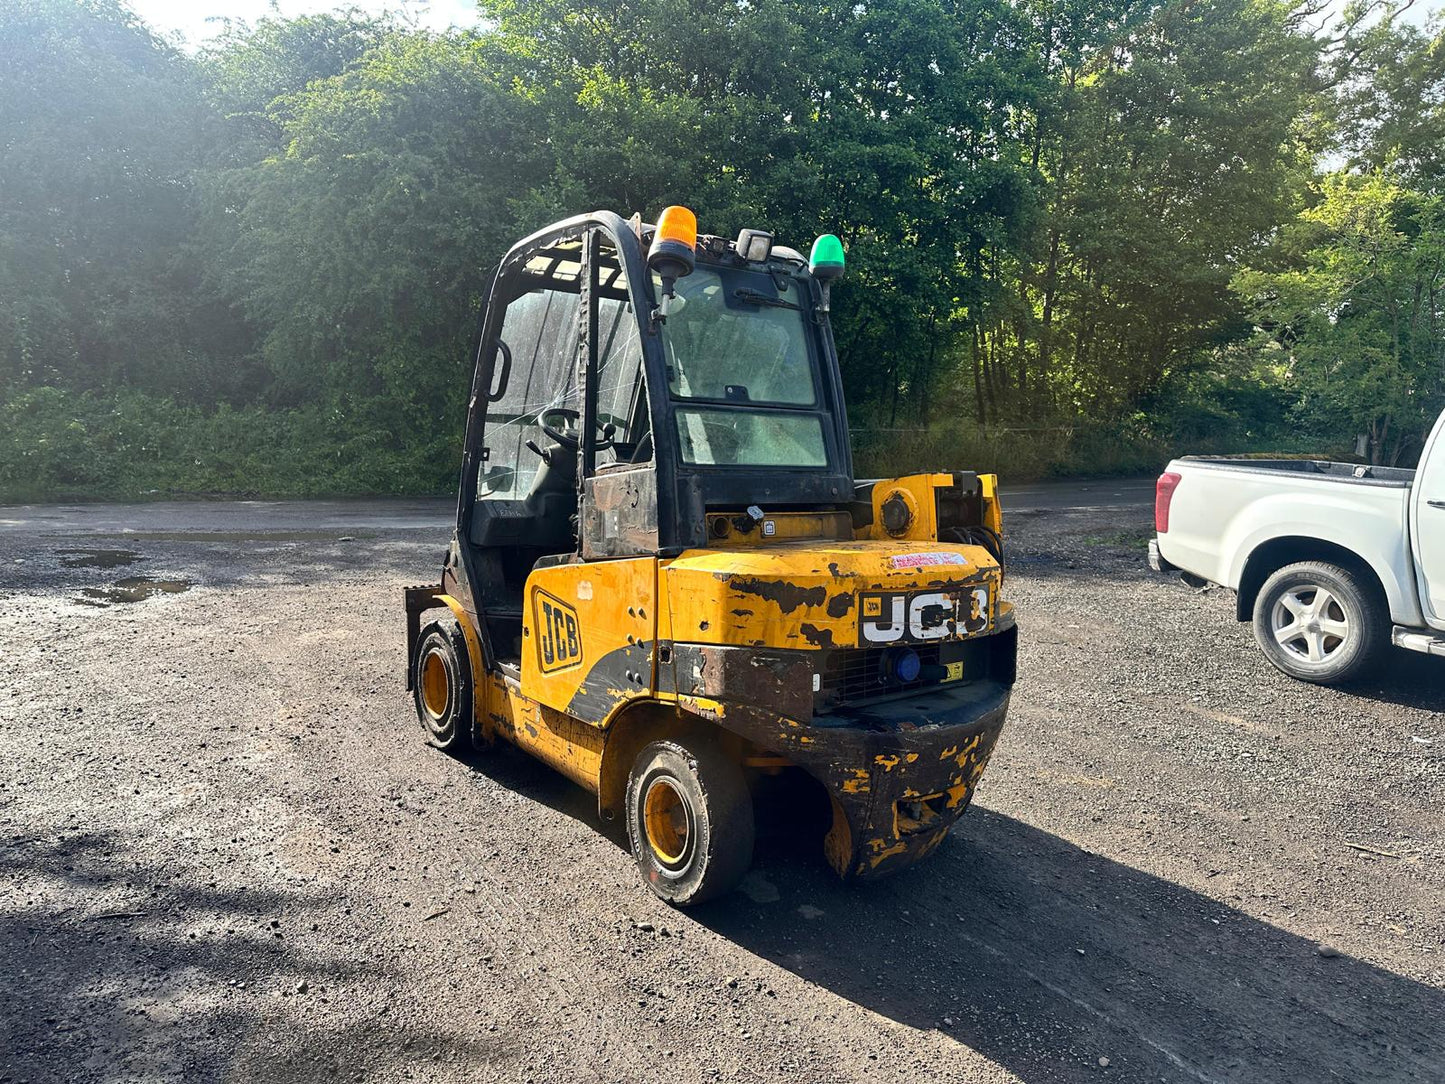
(496, 479)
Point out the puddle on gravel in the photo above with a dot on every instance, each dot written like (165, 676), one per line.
(98, 558)
(133, 589)
(245, 536)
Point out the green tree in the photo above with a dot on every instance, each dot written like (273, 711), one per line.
(363, 248)
(888, 123)
(100, 125)
(1359, 320)
(1389, 77)
(1173, 145)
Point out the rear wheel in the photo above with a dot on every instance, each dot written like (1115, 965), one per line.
(442, 687)
(1320, 622)
(689, 821)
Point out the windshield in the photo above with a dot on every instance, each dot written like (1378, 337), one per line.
(740, 338)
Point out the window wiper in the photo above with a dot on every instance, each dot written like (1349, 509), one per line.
(757, 297)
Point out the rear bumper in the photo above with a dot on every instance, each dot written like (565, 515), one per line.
(897, 791)
(1156, 559)
(899, 771)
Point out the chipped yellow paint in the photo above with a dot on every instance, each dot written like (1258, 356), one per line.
(800, 586)
(886, 852)
(803, 595)
(838, 843)
(967, 751)
(930, 844)
(958, 795)
(712, 709)
(568, 745)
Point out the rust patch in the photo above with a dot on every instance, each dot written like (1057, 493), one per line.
(786, 596)
(839, 605)
(742, 613)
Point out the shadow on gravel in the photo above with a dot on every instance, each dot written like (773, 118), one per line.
(1407, 680)
(509, 767)
(1046, 958)
(117, 970)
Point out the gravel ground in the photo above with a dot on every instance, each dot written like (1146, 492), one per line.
(226, 855)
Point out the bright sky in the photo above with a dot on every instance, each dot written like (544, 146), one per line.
(188, 17)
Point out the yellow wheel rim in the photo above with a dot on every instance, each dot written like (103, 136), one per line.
(435, 685)
(665, 816)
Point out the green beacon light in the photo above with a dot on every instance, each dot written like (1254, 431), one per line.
(826, 264)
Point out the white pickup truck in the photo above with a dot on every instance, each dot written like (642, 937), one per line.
(1333, 562)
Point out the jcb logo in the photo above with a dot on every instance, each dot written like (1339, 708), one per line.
(559, 638)
(889, 617)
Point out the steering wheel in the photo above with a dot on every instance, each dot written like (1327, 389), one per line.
(568, 437)
(568, 440)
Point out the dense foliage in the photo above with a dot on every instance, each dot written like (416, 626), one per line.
(1080, 232)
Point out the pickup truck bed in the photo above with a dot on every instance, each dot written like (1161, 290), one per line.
(1324, 469)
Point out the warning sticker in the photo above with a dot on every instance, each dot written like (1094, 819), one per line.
(919, 560)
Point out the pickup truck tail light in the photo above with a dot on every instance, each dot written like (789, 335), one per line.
(1163, 495)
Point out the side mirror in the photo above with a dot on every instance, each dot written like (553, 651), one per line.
(826, 264)
(673, 254)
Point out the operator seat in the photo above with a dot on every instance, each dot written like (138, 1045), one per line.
(551, 504)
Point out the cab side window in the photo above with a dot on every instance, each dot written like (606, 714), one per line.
(621, 393)
(537, 331)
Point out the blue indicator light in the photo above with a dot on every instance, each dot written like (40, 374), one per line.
(907, 665)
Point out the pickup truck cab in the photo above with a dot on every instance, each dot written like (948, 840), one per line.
(1333, 562)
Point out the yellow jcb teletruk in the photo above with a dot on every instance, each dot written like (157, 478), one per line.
(665, 581)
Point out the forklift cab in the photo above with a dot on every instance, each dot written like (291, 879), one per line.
(599, 428)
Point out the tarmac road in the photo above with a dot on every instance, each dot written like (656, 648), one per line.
(438, 513)
(226, 855)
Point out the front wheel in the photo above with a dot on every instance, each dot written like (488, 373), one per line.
(442, 685)
(1320, 622)
(689, 821)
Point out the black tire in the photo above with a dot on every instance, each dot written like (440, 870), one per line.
(442, 686)
(1338, 619)
(689, 821)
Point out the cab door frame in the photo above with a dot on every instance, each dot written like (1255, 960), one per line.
(464, 577)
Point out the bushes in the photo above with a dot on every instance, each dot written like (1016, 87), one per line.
(129, 446)
(1017, 454)
(61, 445)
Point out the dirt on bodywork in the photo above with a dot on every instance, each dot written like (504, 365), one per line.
(226, 855)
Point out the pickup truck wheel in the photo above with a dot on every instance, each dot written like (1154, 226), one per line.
(689, 821)
(1321, 623)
